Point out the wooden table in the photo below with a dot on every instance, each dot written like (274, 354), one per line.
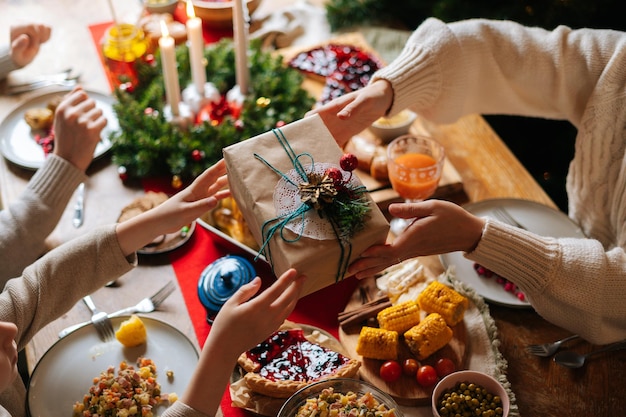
(487, 167)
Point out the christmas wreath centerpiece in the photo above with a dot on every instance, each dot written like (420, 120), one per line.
(149, 145)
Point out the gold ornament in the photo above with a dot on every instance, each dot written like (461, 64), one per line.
(177, 182)
(319, 191)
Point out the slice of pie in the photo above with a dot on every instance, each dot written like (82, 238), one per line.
(288, 361)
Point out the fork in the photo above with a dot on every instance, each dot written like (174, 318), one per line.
(548, 349)
(504, 216)
(147, 305)
(19, 89)
(100, 320)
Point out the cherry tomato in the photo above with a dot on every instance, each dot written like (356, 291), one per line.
(410, 366)
(390, 371)
(427, 376)
(444, 366)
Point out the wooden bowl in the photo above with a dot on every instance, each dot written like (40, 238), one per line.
(219, 14)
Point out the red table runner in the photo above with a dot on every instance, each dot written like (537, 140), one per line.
(319, 309)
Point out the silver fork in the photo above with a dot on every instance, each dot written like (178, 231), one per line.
(504, 216)
(19, 89)
(548, 349)
(147, 305)
(100, 320)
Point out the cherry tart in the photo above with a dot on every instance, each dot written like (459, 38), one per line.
(343, 68)
(288, 361)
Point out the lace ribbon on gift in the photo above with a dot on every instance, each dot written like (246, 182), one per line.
(297, 216)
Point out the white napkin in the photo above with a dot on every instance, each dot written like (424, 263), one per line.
(298, 24)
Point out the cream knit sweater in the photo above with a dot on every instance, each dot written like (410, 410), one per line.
(26, 222)
(49, 287)
(495, 67)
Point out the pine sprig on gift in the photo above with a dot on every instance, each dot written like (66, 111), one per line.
(147, 145)
(349, 213)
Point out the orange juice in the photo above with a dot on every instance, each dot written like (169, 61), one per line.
(414, 175)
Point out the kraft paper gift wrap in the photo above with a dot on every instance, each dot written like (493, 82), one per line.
(253, 183)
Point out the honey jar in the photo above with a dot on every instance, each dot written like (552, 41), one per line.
(122, 46)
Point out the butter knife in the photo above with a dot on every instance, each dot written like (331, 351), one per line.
(79, 206)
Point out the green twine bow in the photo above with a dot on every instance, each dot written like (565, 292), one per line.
(279, 223)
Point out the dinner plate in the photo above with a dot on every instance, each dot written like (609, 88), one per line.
(535, 217)
(66, 371)
(17, 139)
(169, 242)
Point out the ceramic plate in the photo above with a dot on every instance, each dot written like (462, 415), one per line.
(65, 372)
(169, 242)
(17, 139)
(535, 217)
(224, 239)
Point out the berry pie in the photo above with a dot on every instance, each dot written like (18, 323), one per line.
(288, 361)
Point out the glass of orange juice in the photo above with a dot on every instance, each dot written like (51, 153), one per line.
(415, 164)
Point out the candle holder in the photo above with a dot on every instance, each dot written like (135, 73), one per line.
(196, 101)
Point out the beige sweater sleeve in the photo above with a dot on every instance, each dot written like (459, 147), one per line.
(499, 67)
(27, 222)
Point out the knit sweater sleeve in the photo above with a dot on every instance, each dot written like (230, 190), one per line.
(572, 283)
(498, 67)
(53, 284)
(28, 221)
(6, 63)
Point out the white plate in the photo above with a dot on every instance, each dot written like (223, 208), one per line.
(65, 372)
(535, 217)
(17, 139)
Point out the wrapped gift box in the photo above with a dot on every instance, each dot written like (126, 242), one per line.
(257, 168)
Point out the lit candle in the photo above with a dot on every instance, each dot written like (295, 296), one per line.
(240, 35)
(170, 72)
(196, 48)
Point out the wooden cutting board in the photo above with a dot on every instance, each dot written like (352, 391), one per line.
(405, 390)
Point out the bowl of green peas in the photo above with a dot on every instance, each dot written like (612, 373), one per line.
(470, 393)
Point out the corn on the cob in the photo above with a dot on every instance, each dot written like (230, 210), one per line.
(400, 317)
(430, 335)
(377, 343)
(439, 298)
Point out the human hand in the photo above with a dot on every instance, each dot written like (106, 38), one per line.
(78, 124)
(242, 323)
(25, 42)
(179, 210)
(352, 113)
(439, 227)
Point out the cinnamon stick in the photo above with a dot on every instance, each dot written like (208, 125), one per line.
(362, 313)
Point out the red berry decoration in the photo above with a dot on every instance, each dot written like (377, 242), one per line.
(197, 155)
(280, 123)
(349, 162)
(335, 175)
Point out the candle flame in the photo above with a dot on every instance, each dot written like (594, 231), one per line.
(164, 32)
(191, 13)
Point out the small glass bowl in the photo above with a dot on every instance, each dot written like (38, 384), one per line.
(339, 385)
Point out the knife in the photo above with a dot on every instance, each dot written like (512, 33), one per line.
(79, 206)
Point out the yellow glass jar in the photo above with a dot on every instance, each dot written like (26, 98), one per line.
(122, 46)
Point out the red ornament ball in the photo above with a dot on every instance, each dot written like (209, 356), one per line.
(349, 162)
(280, 123)
(197, 155)
(239, 125)
(128, 87)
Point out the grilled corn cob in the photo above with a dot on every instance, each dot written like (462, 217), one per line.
(439, 298)
(377, 343)
(400, 317)
(430, 335)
